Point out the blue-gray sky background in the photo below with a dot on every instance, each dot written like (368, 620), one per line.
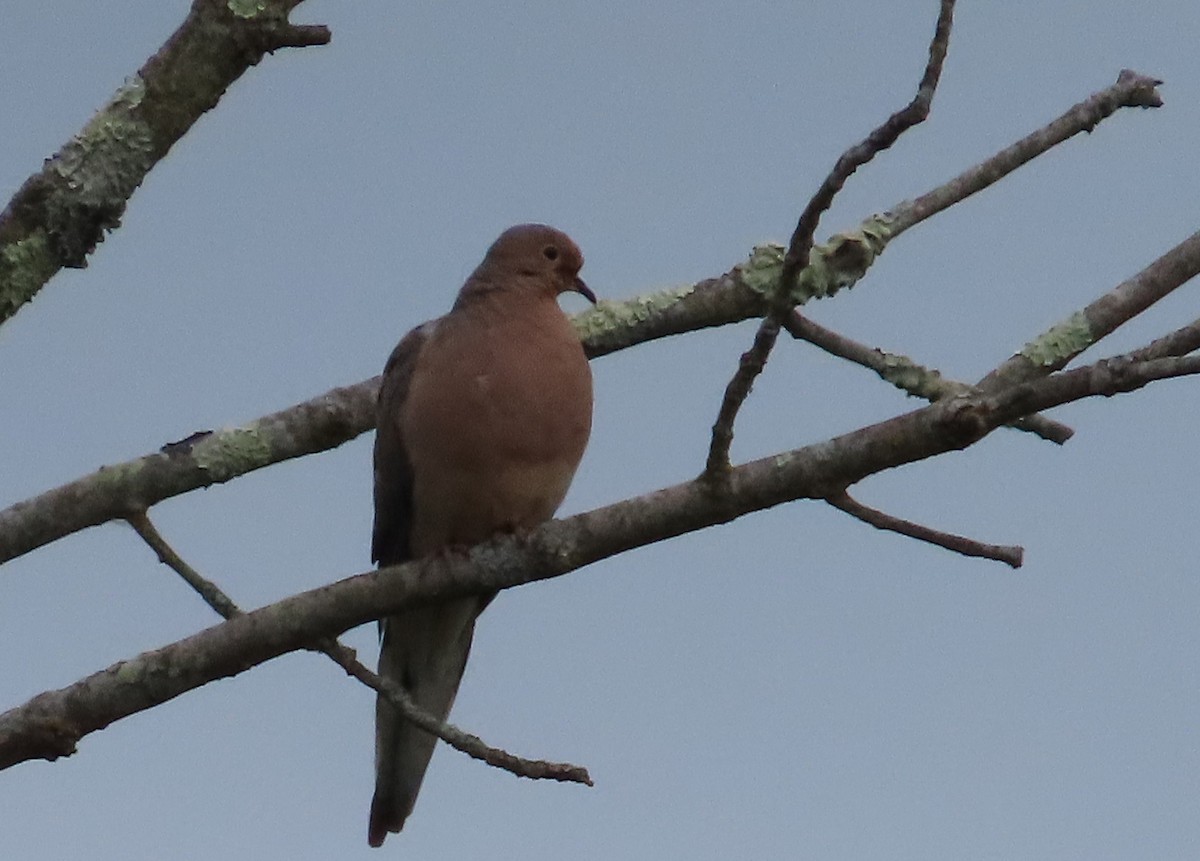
(794, 685)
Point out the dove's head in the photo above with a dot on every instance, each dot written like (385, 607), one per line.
(534, 255)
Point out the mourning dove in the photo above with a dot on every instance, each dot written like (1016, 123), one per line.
(483, 416)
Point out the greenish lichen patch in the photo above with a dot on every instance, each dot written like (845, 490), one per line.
(232, 452)
(1061, 342)
(833, 266)
(129, 672)
(117, 478)
(246, 8)
(762, 270)
(25, 266)
(916, 379)
(129, 94)
(111, 154)
(843, 260)
(903, 373)
(98, 170)
(608, 317)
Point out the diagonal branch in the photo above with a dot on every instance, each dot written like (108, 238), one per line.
(212, 594)
(905, 374)
(50, 724)
(1182, 341)
(1131, 90)
(62, 212)
(347, 659)
(472, 745)
(1061, 343)
(796, 259)
(203, 459)
(1008, 554)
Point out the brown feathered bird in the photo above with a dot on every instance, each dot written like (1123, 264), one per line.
(483, 416)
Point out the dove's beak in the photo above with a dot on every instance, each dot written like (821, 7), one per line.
(584, 290)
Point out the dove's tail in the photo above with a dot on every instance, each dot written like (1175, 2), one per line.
(425, 651)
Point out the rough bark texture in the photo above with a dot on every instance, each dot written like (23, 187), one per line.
(61, 213)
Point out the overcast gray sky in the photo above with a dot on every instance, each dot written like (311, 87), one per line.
(794, 685)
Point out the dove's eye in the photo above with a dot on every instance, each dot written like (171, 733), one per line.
(550, 252)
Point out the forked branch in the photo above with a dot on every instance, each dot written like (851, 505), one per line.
(752, 362)
(347, 659)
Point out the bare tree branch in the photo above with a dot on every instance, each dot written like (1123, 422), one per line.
(905, 374)
(796, 259)
(50, 724)
(1007, 554)
(1131, 90)
(1178, 343)
(213, 457)
(471, 745)
(347, 659)
(203, 459)
(61, 213)
(1057, 346)
(211, 593)
(339, 415)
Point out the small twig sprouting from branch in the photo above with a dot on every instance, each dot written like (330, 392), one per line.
(347, 659)
(752, 362)
(206, 589)
(1008, 554)
(905, 374)
(1182, 341)
(471, 745)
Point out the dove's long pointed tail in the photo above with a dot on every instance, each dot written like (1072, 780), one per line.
(425, 650)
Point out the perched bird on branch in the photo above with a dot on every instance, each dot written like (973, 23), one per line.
(483, 416)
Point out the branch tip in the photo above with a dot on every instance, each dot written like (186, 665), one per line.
(1010, 555)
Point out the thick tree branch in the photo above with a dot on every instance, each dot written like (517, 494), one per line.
(796, 259)
(201, 460)
(50, 724)
(1057, 346)
(347, 659)
(61, 213)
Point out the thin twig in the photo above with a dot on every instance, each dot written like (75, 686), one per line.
(1182, 341)
(206, 589)
(347, 659)
(905, 374)
(471, 745)
(752, 362)
(1008, 554)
